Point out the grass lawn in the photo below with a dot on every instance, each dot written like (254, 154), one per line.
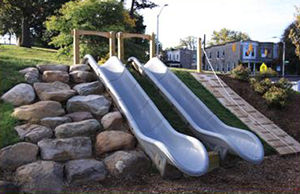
(13, 59)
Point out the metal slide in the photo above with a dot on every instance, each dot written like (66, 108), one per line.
(204, 124)
(160, 141)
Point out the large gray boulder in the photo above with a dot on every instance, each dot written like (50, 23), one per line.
(80, 116)
(96, 104)
(85, 128)
(65, 149)
(109, 141)
(21, 94)
(56, 91)
(84, 171)
(52, 67)
(41, 177)
(112, 121)
(17, 155)
(35, 112)
(53, 76)
(53, 122)
(80, 67)
(31, 75)
(33, 133)
(29, 69)
(89, 88)
(127, 164)
(82, 76)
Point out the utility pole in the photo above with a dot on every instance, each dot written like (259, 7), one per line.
(283, 59)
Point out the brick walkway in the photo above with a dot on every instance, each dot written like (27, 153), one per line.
(257, 122)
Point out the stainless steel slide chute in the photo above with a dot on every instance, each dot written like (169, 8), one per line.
(203, 122)
(159, 140)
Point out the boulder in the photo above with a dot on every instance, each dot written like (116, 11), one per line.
(52, 67)
(21, 94)
(17, 155)
(35, 112)
(112, 121)
(65, 149)
(127, 164)
(82, 76)
(89, 88)
(53, 76)
(33, 133)
(80, 116)
(85, 128)
(29, 69)
(8, 188)
(32, 77)
(41, 177)
(96, 104)
(80, 67)
(56, 91)
(53, 122)
(84, 171)
(109, 141)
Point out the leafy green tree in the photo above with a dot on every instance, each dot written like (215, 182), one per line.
(25, 17)
(293, 66)
(93, 15)
(226, 35)
(295, 33)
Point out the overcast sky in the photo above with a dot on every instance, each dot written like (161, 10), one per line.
(260, 19)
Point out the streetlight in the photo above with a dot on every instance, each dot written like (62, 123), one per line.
(157, 38)
(283, 56)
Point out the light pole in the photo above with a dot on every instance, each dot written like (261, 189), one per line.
(283, 56)
(157, 35)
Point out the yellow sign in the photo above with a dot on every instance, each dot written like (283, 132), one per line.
(263, 68)
(233, 47)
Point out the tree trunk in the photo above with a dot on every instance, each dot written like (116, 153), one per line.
(131, 13)
(25, 39)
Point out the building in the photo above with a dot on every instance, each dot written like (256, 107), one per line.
(250, 53)
(181, 58)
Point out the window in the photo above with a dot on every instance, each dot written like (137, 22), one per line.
(173, 57)
(228, 67)
(169, 57)
(249, 50)
(209, 55)
(223, 54)
(266, 53)
(218, 54)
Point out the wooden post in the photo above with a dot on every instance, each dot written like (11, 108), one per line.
(76, 46)
(152, 46)
(112, 44)
(120, 46)
(199, 56)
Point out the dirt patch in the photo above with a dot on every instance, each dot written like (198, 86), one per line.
(275, 175)
(287, 118)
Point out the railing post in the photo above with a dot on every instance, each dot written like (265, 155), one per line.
(199, 56)
(120, 46)
(112, 44)
(152, 46)
(76, 46)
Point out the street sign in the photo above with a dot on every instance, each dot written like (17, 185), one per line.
(263, 68)
(286, 62)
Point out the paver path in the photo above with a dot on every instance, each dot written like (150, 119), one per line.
(257, 122)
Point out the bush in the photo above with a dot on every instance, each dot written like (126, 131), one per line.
(241, 73)
(284, 84)
(267, 74)
(262, 86)
(276, 96)
(252, 82)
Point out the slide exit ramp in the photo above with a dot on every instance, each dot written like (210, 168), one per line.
(159, 140)
(204, 124)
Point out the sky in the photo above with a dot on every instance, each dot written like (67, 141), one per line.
(260, 19)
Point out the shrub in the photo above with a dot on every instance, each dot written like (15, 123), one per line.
(241, 73)
(284, 84)
(276, 96)
(262, 86)
(267, 74)
(252, 82)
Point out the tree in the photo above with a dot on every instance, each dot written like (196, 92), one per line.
(189, 42)
(226, 35)
(94, 15)
(25, 18)
(140, 4)
(293, 66)
(295, 33)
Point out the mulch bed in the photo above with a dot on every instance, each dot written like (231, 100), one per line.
(287, 118)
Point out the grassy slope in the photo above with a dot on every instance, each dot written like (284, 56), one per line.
(13, 59)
